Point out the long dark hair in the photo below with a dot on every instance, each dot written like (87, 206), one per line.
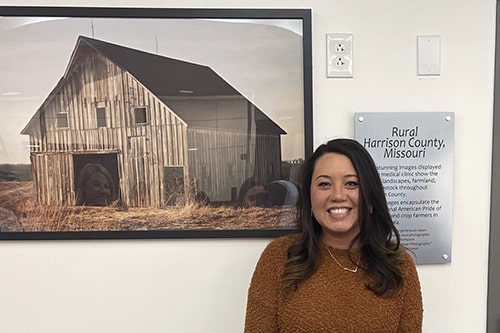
(378, 239)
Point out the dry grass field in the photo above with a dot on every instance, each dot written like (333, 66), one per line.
(18, 212)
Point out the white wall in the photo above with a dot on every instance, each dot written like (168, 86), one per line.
(200, 285)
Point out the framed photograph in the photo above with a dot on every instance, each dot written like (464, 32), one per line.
(152, 122)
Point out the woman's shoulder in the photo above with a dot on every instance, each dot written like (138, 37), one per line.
(274, 257)
(284, 241)
(279, 246)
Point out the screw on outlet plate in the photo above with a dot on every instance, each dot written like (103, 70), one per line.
(339, 55)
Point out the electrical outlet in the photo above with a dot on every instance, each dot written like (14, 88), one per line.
(339, 55)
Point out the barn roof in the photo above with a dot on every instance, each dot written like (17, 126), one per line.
(163, 76)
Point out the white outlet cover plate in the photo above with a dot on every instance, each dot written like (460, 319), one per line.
(339, 54)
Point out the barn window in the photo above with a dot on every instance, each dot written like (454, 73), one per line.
(140, 116)
(62, 120)
(101, 117)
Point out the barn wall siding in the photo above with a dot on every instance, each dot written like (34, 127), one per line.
(219, 159)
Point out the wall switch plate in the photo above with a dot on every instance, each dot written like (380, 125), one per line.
(428, 55)
(339, 55)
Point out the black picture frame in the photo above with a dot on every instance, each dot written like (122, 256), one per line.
(56, 158)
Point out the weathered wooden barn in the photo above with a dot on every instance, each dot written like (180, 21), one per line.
(164, 128)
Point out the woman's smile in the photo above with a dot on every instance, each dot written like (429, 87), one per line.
(338, 213)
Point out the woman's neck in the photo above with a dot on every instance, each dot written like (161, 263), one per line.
(341, 243)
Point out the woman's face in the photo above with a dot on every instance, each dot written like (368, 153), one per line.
(97, 190)
(334, 199)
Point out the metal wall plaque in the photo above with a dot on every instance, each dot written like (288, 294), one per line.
(414, 156)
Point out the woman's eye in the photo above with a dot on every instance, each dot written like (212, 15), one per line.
(323, 184)
(351, 184)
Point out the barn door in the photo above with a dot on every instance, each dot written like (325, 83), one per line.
(108, 160)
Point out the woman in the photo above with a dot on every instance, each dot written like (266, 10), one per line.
(95, 186)
(345, 271)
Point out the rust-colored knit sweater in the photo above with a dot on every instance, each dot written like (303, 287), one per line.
(332, 300)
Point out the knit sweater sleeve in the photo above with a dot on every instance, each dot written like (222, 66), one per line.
(412, 312)
(265, 288)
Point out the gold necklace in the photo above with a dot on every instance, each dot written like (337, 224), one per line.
(352, 270)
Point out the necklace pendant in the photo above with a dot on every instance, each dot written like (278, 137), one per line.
(352, 270)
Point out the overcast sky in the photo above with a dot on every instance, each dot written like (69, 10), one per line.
(262, 60)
